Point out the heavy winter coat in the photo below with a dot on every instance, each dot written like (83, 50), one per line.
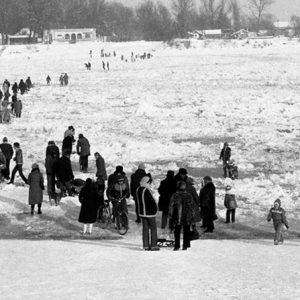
(83, 147)
(50, 164)
(112, 179)
(278, 216)
(207, 200)
(52, 149)
(18, 106)
(166, 189)
(101, 170)
(63, 169)
(135, 181)
(118, 191)
(2, 159)
(7, 150)
(230, 201)
(225, 154)
(36, 187)
(18, 156)
(67, 143)
(181, 209)
(89, 199)
(147, 206)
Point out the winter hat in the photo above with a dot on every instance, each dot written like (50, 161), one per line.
(5, 139)
(35, 166)
(144, 181)
(80, 135)
(277, 201)
(181, 186)
(182, 171)
(190, 181)
(141, 166)
(119, 169)
(170, 173)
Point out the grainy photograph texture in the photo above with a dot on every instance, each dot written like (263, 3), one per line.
(149, 149)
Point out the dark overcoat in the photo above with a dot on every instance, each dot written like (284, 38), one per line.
(166, 189)
(36, 187)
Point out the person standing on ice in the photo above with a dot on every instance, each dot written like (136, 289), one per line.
(230, 201)
(48, 80)
(19, 164)
(147, 209)
(181, 215)
(22, 86)
(51, 160)
(107, 66)
(36, 187)
(8, 152)
(66, 79)
(61, 79)
(15, 88)
(134, 184)
(29, 84)
(103, 65)
(166, 189)
(277, 213)
(18, 107)
(225, 157)
(207, 200)
(67, 144)
(83, 150)
(100, 165)
(90, 201)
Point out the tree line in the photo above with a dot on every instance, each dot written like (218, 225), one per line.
(150, 20)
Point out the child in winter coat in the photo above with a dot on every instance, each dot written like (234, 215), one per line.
(279, 220)
(229, 201)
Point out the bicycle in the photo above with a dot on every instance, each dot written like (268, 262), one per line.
(104, 215)
(120, 216)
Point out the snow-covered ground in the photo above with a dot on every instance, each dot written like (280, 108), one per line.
(173, 110)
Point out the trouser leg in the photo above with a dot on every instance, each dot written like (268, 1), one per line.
(186, 236)
(278, 232)
(20, 170)
(13, 174)
(233, 215)
(153, 229)
(164, 220)
(145, 233)
(227, 216)
(177, 236)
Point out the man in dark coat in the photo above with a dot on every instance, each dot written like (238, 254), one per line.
(225, 157)
(64, 173)
(22, 86)
(51, 160)
(67, 144)
(52, 148)
(28, 83)
(19, 164)
(134, 184)
(15, 88)
(208, 204)
(83, 150)
(100, 164)
(112, 178)
(166, 189)
(8, 152)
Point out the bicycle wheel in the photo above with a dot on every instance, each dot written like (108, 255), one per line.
(122, 222)
(104, 217)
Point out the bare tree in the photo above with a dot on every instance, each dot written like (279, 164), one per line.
(182, 10)
(258, 8)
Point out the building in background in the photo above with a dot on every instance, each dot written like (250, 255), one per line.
(70, 35)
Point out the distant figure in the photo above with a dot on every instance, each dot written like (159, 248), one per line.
(15, 88)
(100, 164)
(22, 86)
(225, 157)
(18, 107)
(115, 54)
(103, 65)
(277, 213)
(230, 201)
(91, 53)
(61, 79)
(66, 79)
(48, 79)
(29, 84)
(8, 152)
(102, 52)
(36, 187)
(83, 150)
(107, 66)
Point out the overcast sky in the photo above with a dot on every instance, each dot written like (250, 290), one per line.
(282, 9)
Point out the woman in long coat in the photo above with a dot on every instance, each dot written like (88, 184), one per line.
(36, 187)
(90, 201)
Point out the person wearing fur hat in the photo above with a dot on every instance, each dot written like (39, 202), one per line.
(147, 210)
(36, 187)
(230, 201)
(277, 213)
(134, 184)
(181, 215)
(207, 202)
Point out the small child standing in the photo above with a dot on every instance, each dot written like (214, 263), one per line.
(229, 201)
(279, 220)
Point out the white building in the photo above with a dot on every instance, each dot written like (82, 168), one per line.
(70, 35)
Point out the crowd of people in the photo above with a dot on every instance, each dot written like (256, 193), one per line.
(12, 104)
